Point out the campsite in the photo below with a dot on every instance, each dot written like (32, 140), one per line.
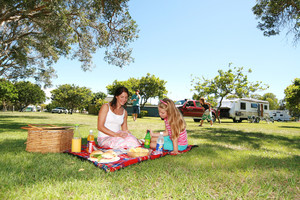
(131, 99)
(232, 161)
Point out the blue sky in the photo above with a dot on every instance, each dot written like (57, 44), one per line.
(179, 38)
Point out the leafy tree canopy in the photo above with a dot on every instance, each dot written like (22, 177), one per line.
(233, 82)
(34, 34)
(98, 96)
(8, 92)
(276, 15)
(29, 93)
(292, 97)
(131, 84)
(273, 101)
(72, 96)
(149, 86)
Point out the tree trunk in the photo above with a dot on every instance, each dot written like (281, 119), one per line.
(218, 116)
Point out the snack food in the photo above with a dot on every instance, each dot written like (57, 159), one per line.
(137, 152)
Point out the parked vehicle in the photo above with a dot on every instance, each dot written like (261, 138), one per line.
(249, 109)
(30, 108)
(59, 110)
(193, 108)
(279, 115)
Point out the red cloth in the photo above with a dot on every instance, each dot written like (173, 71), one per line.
(124, 161)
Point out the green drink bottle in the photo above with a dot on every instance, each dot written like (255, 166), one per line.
(147, 140)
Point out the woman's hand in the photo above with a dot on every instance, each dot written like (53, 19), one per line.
(122, 134)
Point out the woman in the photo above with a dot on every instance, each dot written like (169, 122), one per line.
(112, 123)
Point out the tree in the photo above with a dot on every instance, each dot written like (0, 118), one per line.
(72, 96)
(273, 101)
(256, 96)
(8, 92)
(149, 86)
(34, 34)
(29, 93)
(231, 82)
(292, 97)
(271, 98)
(98, 96)
(275, 15)
(131, 84)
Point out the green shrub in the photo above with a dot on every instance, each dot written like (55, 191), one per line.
(143, 113)
(94, 108)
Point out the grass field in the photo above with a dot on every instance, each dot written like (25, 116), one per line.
(233, 161)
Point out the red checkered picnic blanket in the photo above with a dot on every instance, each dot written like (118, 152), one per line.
(124, 161)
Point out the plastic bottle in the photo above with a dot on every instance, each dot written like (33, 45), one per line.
(147, 139)
(76, 140)
(160, 144)
(89, 138)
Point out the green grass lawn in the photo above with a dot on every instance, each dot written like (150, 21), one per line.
(233, 161)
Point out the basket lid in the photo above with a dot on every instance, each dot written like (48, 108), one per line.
(45, 127)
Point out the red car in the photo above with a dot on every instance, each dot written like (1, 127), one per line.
(193, 108)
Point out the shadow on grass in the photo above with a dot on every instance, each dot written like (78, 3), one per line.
(289, 127)
(252, 139)
(13, 126)
(4, 117)
(8, 123)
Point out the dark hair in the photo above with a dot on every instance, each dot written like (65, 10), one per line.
(118, 92)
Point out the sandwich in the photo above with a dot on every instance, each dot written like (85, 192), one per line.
(109, 154)
(96, 155)
(104, 157)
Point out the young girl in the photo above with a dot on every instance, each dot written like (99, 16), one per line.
(207, 112)
(175, 136)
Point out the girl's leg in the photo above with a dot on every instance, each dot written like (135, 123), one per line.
(201, 122)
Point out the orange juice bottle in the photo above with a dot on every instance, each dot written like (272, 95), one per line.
(76, 140)
(89, 138)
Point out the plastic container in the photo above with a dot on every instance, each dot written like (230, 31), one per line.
(76, 140)
(147, 140)
(160, 144)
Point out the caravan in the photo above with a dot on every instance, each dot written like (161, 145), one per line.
(279, 115)
(249, 109)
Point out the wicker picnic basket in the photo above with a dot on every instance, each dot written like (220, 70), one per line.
(46, 138)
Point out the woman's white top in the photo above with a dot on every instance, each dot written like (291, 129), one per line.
(113, 122)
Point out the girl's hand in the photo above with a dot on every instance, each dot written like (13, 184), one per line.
(174, 153)
(122, 134)
(151, 133)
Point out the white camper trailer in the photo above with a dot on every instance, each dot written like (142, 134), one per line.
(279, 115)
(249, 109)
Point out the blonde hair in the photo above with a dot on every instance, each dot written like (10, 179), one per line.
(175, 118)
